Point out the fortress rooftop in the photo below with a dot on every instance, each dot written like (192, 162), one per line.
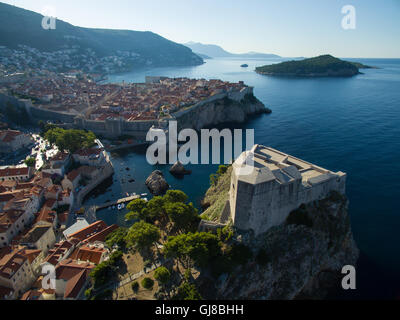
(270, 164)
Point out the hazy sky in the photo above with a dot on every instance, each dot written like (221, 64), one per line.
(285, 27)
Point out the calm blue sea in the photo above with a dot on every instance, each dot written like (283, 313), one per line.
(347, 124)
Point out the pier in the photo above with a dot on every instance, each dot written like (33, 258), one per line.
(115, 203)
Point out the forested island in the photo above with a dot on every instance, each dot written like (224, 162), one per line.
(321, 66)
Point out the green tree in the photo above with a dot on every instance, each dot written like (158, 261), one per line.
(136, 208)
(147, 283)
(193, 248)
(162, 275)
(70, 140)
(142, 235)
(155, 209)
(176, 196)
(135, 286)
(182, 215)
(117, 238)
(187, 291)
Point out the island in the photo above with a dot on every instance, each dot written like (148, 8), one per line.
(321, 66)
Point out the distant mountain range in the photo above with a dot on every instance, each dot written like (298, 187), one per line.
(20, 27)
(214, 51)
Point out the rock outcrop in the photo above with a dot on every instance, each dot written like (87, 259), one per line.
(304, 261)
(179, 170)
(222, 111)
(157, 184)
(303, 257)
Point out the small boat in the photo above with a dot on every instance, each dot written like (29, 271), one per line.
(127, 194)
(119, 207)
(144, 194)
(123, 206)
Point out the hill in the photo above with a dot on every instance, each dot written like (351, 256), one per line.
(215, 51)
(21, 30)
(322, 66)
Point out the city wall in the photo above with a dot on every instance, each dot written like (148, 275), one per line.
(113, 128)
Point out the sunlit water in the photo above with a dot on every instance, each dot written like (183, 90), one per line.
(347, 124)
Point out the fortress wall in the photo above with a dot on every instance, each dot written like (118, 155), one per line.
(200, 104)
(44, 114)
(34, 112)
(262, 206)
(239, 95)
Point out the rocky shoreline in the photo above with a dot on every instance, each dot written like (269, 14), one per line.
(222, 111)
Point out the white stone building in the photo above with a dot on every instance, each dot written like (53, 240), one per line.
(267, 185)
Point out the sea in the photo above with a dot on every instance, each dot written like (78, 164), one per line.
(342, 124)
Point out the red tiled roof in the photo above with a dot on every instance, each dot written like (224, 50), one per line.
(102, 235)
(75, 284)
(10, 172)
(60, 156)
(89, 254)
(31, 254)
(11, 263)
(89, 231)
(88, 152)
(58, 251)
(67, 269)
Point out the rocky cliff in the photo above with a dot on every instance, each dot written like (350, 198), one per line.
(221, 111)
(302, 258)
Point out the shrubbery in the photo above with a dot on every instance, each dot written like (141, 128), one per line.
(147, 283)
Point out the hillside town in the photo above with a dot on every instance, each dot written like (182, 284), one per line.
(71, 57)
(41, 223)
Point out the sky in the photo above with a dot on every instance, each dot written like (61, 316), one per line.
(290, 28)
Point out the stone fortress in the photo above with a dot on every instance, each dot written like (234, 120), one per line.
(277, 184)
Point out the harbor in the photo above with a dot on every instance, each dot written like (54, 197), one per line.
(120, 204)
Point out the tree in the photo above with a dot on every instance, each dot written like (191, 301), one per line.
(147, 283)
(182, 215)
(135, 286)
(142, 235)
(136, 208)
(193, 248)
(187, 291)
(162, 275)
(176, 196)
(117, 238)
(70, 140)
(155, 209)
(30, 162)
